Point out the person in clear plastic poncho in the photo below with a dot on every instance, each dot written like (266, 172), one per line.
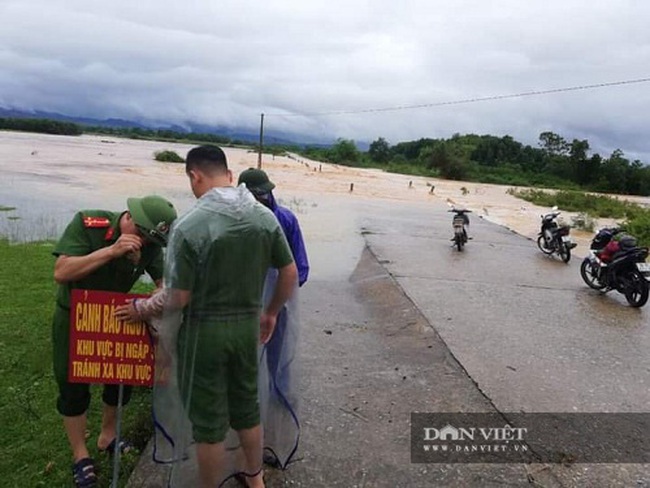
(278, 376)
(211, 320)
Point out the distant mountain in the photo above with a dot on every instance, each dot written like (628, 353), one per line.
(38, 114)
(238, 133)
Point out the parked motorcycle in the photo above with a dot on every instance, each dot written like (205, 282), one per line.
(626, 271)
(554, 238)
(460, 221)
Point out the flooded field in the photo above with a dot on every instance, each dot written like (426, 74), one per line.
(46, 178)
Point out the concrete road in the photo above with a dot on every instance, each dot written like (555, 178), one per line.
(526, 328)
(396, 321)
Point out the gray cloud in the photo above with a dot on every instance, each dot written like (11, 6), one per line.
(226, 62)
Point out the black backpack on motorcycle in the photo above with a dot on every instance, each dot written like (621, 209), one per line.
(627, 243)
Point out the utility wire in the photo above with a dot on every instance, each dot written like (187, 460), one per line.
(465, 101)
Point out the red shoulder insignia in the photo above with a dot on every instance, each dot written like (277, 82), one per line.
(96, 222)
(109, 234)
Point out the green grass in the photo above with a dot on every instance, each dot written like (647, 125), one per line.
(33, 448)
(634, 218)
(575, 201)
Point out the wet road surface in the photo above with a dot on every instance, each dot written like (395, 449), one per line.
(417, 326)
(527, 329)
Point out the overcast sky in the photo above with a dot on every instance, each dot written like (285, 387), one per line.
(227, 61)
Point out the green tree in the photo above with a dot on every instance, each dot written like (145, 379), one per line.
(593, 167)
(411, 150)
(494, 151)
(579, 162)
(379, 151)
(614, 173)
(553, 144)
(448, 162)
(344, 152)
(637, 178)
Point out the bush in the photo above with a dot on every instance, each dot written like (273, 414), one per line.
(639, 226)
(168, 157)
(583, 221)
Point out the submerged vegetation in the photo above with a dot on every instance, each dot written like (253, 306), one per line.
(634, 218)
(168, 157)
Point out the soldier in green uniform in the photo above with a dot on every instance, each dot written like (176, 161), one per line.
(216, 263)
(101, 250)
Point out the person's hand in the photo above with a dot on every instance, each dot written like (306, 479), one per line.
(267, 325)
(134, 257)
(127, 312)
(126, 243)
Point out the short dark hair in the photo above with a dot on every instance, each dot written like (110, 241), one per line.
(208, 159)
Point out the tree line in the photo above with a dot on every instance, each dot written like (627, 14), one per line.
(162, 135)
(555, 163)
(43, 126)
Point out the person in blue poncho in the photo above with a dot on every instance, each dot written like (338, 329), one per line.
(278, 375)
(258, 183)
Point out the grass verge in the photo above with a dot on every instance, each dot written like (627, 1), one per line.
(634, 218)
(575, 201)
(34, 451)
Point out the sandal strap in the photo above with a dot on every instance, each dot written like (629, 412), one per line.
(124, 446)
(83, 473)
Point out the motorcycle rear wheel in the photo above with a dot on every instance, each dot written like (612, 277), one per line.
(637, 293)
(458, 238)
(565, 252)
(541, 243)
(589, 275)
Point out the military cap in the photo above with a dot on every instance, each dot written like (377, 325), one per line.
(256, 180)
(153, 215)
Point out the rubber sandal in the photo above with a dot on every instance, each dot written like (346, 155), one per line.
(83, 473)
(125, 447)
(271, 460)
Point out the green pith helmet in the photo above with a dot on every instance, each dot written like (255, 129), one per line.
(153, 215)
(256, 180)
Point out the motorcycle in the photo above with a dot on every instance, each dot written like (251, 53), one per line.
(554, 238)
(627, 272)
(460, 221)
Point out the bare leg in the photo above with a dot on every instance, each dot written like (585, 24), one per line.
(210, 458)
(251, 442)
(75, 428)
(109, 419)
